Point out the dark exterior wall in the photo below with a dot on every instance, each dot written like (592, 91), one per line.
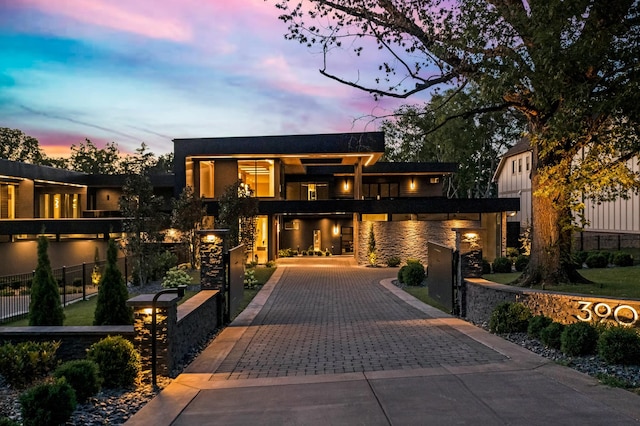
(25, 207)
(225, 174)
(22, 256)
(107, 199)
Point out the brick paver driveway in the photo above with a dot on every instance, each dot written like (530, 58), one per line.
(333, 319)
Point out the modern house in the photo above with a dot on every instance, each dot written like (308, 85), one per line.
(611, 225)
(326, 192)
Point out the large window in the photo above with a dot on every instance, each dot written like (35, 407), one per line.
(204, 171)
(258, 175)
(58, 206)
(381, 190)
(7, 201)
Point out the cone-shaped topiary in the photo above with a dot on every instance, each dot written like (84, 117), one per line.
(111, 306)
(45, 307)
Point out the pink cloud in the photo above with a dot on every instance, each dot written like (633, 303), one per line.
(57, 143)
(148, 22)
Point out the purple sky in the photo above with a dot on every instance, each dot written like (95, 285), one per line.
(153, 70)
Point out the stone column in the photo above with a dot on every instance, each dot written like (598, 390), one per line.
(166, 319)
(213, 248)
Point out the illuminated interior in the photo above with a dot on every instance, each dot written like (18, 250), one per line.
(7, 201)
(258, 175)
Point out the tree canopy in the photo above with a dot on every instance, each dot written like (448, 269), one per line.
(444, 132)
(17, 146)
(569, 68)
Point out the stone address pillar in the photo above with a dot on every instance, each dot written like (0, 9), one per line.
(166, 319)
(213, 248)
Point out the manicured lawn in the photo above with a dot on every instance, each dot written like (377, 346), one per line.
(422, 293)
(81, 313)
(615, 282)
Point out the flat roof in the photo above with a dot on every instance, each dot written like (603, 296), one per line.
(331, 143)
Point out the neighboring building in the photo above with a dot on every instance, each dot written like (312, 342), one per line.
(611, 225)
(76, 210)
(324, 192)
(319, 192)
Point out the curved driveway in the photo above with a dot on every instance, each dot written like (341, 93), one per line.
(327, 342)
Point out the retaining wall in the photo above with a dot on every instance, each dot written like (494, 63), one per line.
(483, 296)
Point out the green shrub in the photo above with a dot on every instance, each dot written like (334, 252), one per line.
(501, 265)
(45, 307)
(6, 421)
(509, 317)
(580, 257)
(486, 267)
(48, 404)
(21, 364)
(393, 262)
(521, 262)
(413, 274)
(83, 375)
(550, 335)
(161, 263)
(537, 324)
(579, 338)
(622, 259)
(401, 274)
(111, 306)
(597, 260)
(118, 361)
(176, 277)
(271, 264)
(512, 252)
(250, 280)
(619, 345)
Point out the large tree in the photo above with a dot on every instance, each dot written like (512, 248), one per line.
(443, 131)
(88, 158)
(17, 146)
(187, 216)
(237, 211)
(569, 68)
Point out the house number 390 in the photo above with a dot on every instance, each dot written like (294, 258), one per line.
(603, 311)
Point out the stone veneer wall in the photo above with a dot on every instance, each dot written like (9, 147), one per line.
(408, 239)
(74, 341)
(482, 296)
(178, 328)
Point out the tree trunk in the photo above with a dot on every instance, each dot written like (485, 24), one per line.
(550, 262)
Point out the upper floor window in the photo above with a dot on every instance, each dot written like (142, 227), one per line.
(7, 201)
(203, 170)
(519, 165)
(58, 206)
(381, 190)
(528, 162)
(513, 167)
(258, 176)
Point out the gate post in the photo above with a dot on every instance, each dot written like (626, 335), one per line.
(213, 265)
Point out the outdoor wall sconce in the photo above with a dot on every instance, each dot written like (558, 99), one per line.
(346, 185)
(336, 230)
(210, 238)
(413, 184)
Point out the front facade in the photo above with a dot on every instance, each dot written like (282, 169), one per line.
(611, 225)
(317, 194)
(324, 193)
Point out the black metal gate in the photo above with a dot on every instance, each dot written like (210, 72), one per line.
(441, 278)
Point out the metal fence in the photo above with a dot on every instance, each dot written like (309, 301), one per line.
(78, 282)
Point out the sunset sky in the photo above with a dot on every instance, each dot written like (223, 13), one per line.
(150, 71)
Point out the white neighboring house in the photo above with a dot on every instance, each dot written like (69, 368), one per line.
(612, 225)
